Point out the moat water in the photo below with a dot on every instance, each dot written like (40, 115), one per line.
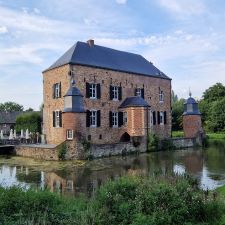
(75, 177)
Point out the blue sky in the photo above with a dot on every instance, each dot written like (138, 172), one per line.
(183, 38)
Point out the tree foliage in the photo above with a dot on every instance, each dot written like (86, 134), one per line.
(30, 121)
(10, 106)
(177, 111)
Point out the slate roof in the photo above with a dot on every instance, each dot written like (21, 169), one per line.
(135, 101)
(190, 100)
(107, 58)
(9, 117)
(191, 110)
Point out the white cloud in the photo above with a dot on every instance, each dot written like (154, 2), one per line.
(3, 30)
(183, 8)
(121, 1)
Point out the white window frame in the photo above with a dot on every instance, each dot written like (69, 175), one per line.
(161, 116)
(57, 90)
(115, 119)
(125, 118)
(138, 92)
(93, 118)
(69, 134)
(93, 91)
(57, 118)
(115, 93)
(161, 96)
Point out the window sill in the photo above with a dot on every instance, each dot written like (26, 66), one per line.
(93, 126)
(92, 98)
(161, 101)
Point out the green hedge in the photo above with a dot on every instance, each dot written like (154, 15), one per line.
(30, 120)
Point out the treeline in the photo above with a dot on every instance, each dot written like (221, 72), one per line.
(212, 107)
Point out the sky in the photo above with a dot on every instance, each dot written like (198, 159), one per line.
(183, 38)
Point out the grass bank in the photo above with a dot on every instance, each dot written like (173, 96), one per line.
(128, 200)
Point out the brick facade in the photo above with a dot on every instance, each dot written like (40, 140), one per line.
(192, 125)
(104, 134)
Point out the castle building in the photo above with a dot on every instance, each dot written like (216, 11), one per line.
(192, 121)
(104, 96)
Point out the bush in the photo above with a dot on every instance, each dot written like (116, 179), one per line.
(30, 121)
(153, 142)
(62, 150)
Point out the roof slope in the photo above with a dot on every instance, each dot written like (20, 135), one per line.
(135, 101)
(102, 57)
(9, 117)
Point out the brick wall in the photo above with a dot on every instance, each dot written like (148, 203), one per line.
(192, 124)
(105, 77)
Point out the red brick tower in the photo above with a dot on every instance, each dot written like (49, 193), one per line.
(192, 122)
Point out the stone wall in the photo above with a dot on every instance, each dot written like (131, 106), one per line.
(183, 142)
(192, 125)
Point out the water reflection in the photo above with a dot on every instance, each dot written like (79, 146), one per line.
(206, 165)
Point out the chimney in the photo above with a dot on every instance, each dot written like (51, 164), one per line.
(91, 42)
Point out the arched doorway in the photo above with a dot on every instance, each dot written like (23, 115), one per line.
(125, 137)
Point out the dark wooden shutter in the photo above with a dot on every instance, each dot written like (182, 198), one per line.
(60, 90)
(88, 115)
(120, 119)
(120, 93)
(135, 92)
(60, 118)
(110, 119)
(53, 91)
(98, 118)
(164, 117)
(158, 117)
(53, 118)
(87, 90)
(98, 91)
(110, 92)
(154, 118)
(143, 93)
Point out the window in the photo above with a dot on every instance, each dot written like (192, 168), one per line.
(124, 118)
(139, 92)
(161, 96)
(93, 118)
(56, 90)
(115, 93)
(57, 118)
(69, 134)
(93, 91)
(150, 118)
(115, 119)
(161, 118)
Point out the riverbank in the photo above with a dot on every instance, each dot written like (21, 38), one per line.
(208, 134)
(127, 200)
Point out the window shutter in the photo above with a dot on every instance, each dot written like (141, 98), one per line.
(87, 90)
(60, 90)
(120, 93)
(110, 119)
(60, 118)
(98, 91)
(53, 119)
(110, 92)
(120, 119)
(135, 92)
(53, 91)
(164, 117)
(98, 118)
(143, 93)
(158, 117)
(88, 115)
(154, 118)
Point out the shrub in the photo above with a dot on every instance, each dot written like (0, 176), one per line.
(62, 150)
(153, 142)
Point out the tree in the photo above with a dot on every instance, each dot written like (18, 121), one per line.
(174, 97)
(177, 112)
(29, 110)
(214, 93)
(29, 120)
(10, 106)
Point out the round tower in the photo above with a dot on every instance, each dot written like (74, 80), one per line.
(192, 122)
(74, 116)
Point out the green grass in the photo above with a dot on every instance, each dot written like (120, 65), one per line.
(127, 200)
(215, 135)
(178, 133)
(221, 190)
